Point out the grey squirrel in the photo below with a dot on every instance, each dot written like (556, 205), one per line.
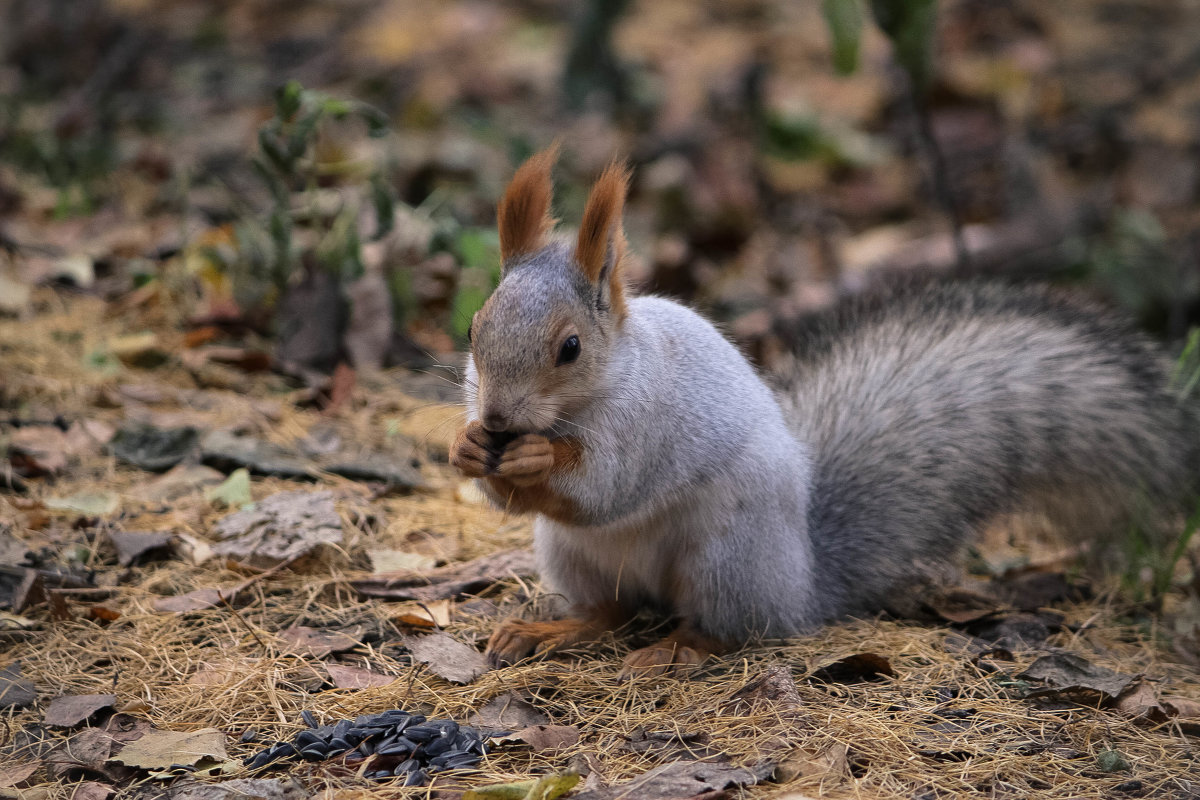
(664, 470)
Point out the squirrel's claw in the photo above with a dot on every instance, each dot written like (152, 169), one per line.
(527, 460)
(471, 453)
(517, 639)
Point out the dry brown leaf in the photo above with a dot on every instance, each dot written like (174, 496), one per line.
(346, 677)
(133, 545)
(542, 737)
(507, 712)
(1066, 674)
(385, 561)
(447, 657)
(434, 614)
(92, 790)
(14, 775)
(197, 600)
(808, 763)
(159, 749)
(681, 780)
(318, 643)
(1141, 703)
(15, 690)
(450, 581)
(72, 709)
(280, 528)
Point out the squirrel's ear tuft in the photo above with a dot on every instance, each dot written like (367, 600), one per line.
(601, 244)
(524, 214)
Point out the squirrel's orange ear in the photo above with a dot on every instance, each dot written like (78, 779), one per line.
(601, 244)
(524, 215)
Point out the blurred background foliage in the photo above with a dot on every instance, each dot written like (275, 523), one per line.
(325, 172)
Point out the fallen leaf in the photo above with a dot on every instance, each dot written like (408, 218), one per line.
(154, 449)
(193, 548)
(682, 780)
(774, 690)
(279, 528)
(1140, 702)
(856, 668)
(159, 749)
(450, 581)
(400, 561)
(671, 744)
(547, 787)
(239, 789)
(178, 482)
(133, 545)
(507, 712)
(434, 614)
(90, 503)
(15, 691)
(197, 600)
(960, 606)
(138, 350)
(1186, 713)
(233, 492)
(345, 677)
(92, 790)
(447, 657)
(399, 475)
(542, 737)
(89, 749)
(1067, 674)
(16, 774)
(226, 451)
(37, 450)
(72, 709)
(318, 643)
(808, 763)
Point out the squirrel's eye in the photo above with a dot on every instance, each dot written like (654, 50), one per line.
(569, 351)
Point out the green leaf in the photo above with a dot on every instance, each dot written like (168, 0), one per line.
(548, 787)
(233, 492)
(911, 25)
(383, 198)
(302, 134)
(278, 158)
(288, 99)
(844, 19)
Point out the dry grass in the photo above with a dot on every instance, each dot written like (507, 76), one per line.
(945, 725)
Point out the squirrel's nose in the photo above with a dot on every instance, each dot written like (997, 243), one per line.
(495, 421)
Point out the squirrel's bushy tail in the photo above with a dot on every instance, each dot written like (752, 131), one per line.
(930, 410)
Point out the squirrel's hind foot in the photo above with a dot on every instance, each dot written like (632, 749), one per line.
(677, 654)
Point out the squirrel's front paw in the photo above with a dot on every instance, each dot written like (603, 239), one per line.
(472, 451)
(516, 639)
(527, 460)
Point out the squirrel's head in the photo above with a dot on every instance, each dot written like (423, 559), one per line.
(542, 339)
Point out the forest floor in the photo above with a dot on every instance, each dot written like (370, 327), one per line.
(230, 308)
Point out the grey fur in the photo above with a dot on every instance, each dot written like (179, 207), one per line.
(903, 425)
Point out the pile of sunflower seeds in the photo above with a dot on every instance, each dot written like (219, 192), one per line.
(403, 745)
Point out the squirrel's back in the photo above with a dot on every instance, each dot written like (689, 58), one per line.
(930, 410)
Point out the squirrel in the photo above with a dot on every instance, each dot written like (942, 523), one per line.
(665, 472)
